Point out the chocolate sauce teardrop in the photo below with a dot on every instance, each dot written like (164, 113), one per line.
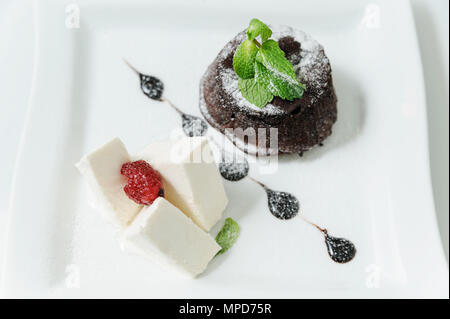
(282, 205)
(193, 125)
(233, 170)
(151, 86)
(341, 250)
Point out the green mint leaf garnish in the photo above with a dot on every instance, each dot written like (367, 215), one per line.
(254, 92)
(278, 83)
(256, 28)
(262, 68)
(227, 235)
(272, 57)
(244, 59)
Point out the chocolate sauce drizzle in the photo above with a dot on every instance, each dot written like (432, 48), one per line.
(285, 206)
(340, 250)
(153, 88)
(282, 205)
(232, 169)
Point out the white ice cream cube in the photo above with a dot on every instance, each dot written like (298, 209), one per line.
(101, 169)
(164, 234)
(191, 179)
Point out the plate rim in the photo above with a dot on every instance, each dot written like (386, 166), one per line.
(405, 4)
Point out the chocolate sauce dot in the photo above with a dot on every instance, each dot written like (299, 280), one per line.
(341, 250)
(151, 86)
(234, 170)
(193, 125)
(282, 205)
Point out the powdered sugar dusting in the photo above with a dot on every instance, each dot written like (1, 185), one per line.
(312, 67)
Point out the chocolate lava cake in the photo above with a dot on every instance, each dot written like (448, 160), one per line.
(302, 123)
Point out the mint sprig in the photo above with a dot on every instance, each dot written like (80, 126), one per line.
(262, 68)
(227, 235)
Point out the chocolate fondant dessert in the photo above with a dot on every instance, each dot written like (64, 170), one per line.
(301, 123)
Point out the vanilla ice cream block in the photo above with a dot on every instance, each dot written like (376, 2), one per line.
(191, 179)
(165, 235)
(101, 169)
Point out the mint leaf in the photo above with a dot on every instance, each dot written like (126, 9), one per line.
(276, 73)
(277, 83)
(256, 27)
(244, 59)
(227, 235)
(272, 57)
(254, 92)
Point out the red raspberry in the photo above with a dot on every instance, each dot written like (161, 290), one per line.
(144, 183)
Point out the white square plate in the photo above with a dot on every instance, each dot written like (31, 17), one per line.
(369, 183)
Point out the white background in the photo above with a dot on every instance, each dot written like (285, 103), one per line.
(16, 67)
